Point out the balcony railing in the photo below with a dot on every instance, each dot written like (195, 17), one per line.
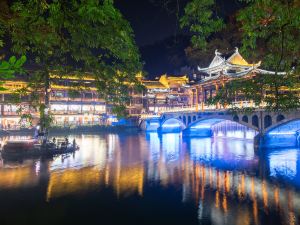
(62, 99)
(75, 112)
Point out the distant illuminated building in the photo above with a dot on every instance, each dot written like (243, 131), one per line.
(164, 93)
(81, 108)
(222, 69)
(75, 101)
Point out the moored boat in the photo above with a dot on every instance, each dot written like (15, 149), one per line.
(32, 147)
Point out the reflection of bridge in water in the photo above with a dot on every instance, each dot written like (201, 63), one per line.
(209, 174)
(275, 129)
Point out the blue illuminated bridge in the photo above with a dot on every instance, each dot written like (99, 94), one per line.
(275, 129)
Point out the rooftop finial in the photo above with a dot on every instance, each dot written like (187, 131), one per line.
(236, 49)
(217, 53)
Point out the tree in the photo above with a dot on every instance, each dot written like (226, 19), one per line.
(201, 20)
(270, 30)
(224, 40)
(7, 67)
(63, 36)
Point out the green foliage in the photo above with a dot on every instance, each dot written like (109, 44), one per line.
(201, 21)
(10, 67)
(259, 90)
(46, 118)
(83, 36)
(120, 111)
(270, 32)
(26, 117)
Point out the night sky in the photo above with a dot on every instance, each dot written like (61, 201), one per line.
(150, 21)
(157, 35)
(154, 28)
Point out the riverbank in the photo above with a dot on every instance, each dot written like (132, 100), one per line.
(74, 130)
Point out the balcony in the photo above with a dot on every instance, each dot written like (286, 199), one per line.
(76, 112)
(77, 100)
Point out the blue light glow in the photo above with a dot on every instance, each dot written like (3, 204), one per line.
(171, 125)
(284, 164)
(283, 136)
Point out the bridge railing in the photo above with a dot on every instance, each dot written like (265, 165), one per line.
(201, 108)
(238, 104)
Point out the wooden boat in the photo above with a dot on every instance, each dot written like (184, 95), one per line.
(32, 147)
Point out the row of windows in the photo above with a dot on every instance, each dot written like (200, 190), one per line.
(65, 94)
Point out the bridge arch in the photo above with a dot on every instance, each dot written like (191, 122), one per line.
(171, 125)
(236, 118)
(245, 119)
(255, 121)
(280, 118)
(203, 127)
(284, 134)
(267, 121)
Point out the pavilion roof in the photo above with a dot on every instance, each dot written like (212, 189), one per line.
(152, 84)
(221, 60)
(169, 81)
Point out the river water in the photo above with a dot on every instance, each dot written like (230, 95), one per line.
(150, 178)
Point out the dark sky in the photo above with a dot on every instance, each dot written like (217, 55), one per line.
(150, 21)
(155, 27)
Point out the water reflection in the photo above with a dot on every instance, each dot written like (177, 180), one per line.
(227, 181)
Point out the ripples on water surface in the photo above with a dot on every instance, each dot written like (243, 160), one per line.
(155, 179)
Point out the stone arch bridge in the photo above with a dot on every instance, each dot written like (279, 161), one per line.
(275, 129)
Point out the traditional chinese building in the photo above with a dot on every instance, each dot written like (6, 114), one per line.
(9, 117)
(165, 93)
(222, 69)
(73, 101)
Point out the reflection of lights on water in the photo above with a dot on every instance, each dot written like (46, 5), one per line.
(92, 151)
(37, 167)
(171, 146)
(282, 133)
(154, 146)
(283, 163)
(200, 210)
(127, 169)
(111, 145)
(222, 153)
(170, 125)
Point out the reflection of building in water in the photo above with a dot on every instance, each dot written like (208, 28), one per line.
(79, 181)
(73, 181)
(198, 167)
(121, 171)
(18, 177)
(209, 183)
